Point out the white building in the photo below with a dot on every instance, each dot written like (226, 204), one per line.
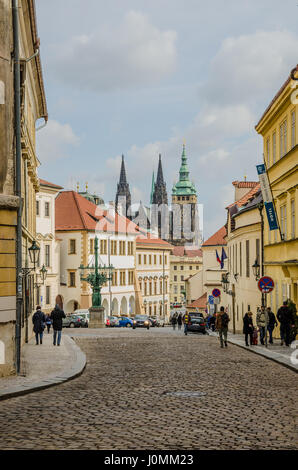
(47, 292)
(78, 222)
(153, 271)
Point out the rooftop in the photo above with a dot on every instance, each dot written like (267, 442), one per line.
(217, 238)
(200, 302)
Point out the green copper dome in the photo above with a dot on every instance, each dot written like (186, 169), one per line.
(184, 187)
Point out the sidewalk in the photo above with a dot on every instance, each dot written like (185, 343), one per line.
(44, 366)
(274, 352)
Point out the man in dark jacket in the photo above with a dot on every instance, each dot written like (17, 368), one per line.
(271, 324)
(38, 321)
(248, 328)
(221, 324)
(285, 318)
(56, 317)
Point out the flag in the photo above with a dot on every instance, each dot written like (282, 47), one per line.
(223, 257)
(217, 257)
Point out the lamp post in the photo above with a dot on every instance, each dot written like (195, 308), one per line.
(225, 281)
(256, 270)
(96, 276)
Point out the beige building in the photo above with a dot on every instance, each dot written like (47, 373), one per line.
(153, 272)
(32, 108)
(185, 263)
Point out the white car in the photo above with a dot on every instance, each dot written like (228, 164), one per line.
(83, 313)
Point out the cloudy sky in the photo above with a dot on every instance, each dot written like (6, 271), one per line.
(138, 77)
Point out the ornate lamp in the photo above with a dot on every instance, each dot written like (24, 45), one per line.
(256, 270)
(43, 273)
(34, 252)
(225, 281)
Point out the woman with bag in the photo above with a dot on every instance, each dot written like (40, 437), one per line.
(38, 321)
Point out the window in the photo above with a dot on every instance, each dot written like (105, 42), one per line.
(145, 259)
(190, 268)
(48, 295)
(145, 288)
(150, 259)
(293, 218)
(176, 291)
(181, 267)
(182, 278)
(268, 151)
(37, 207)
(166, 259)
(130, 248)
(175, 278)
(140, 259)
(175, 268)
(47, 256)
(197, 268)
(160, 287)
(122, 248)
(160, 259)
(150, 287)
(103, 247)
(283, 138)
(154, 259)
(155, 287)
(92, 246)
(115, 278)
(72, 247)
(283, 221)
(122, 278)
(293, 130)
(72, 279)
(47, 209)
(274, 147)
(181, 288)
(130, 277)
(114, 247)
(247, 259)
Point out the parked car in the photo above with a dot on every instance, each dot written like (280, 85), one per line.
(112, 321)
(84, 313)
(141, 321)
(154, 321)
(196, 323)
(73, 321)
(125, 321)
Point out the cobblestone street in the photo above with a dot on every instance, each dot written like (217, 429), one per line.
(121, 400)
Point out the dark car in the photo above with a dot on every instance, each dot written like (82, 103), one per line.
(196, 323)
(154, 321)
(141, 321)
(74, 321)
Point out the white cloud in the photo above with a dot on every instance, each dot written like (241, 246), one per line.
(134, 53)
(55, 141)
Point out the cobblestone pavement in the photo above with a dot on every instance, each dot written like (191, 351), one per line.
(121, 401)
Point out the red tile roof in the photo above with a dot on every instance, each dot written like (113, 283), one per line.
(247, 196)
(217, 238)
(74, 212)
(244, 184)
(187, 251)
(51, 185)
(147, 238)
(201, 302)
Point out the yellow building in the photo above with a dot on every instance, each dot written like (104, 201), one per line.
(278, 127)
(32, 108)
(184, 263)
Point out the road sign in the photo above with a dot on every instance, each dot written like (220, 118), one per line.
(216, 292)
(212, 309)
(211, 299)
(266, 284)
(217, 300)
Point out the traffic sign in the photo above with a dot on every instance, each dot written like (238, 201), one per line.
(266, 284)
(217, 300)
(211, 299)
(216, 292)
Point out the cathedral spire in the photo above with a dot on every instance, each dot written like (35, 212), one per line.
(160, 191)
(152, 188)
(122, 172)
(123, 197)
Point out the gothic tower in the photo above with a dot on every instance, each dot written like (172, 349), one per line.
(160, 195)
(159, 208)
(123, 197)
(184, 216)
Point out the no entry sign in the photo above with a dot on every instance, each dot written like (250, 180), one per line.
(216, 292)
(266, 284)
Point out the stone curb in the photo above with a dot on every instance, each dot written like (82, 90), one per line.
(74, 370)
(272, 356)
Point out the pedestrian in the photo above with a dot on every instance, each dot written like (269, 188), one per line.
(248, 328)
(38, 321)
(185, 321)
(48, 322)
(56, 316)
(286, 320)
(174, 321)
(212, 322)
(262, 322)
(179, 321)
(221, 324)
(271, 324)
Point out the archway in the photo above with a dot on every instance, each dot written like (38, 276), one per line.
(115, 307)
(132, 305)
(71, 306)
(59, 301)
(106, 307)
(123, 308)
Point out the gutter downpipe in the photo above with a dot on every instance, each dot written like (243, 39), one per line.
(18, 162)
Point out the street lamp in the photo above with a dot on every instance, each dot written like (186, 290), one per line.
(34, 252)
(236, 277)
(256, 269)
(225, 281)
(43, 273)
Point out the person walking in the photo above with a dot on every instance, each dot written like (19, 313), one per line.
(248, 328)
(179, 321)
(174, 321)
(56, 316)
(286, 320)
(221, 324)
(38, 321)
(48, 322)
(271, 324)
(212, 322)
(262, 322)
(185, 321)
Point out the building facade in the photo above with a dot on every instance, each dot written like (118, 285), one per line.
(153, 272)
(184, 264)
(278, 128)
(32, 107)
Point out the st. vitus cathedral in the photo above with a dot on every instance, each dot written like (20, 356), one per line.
(177, 223)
